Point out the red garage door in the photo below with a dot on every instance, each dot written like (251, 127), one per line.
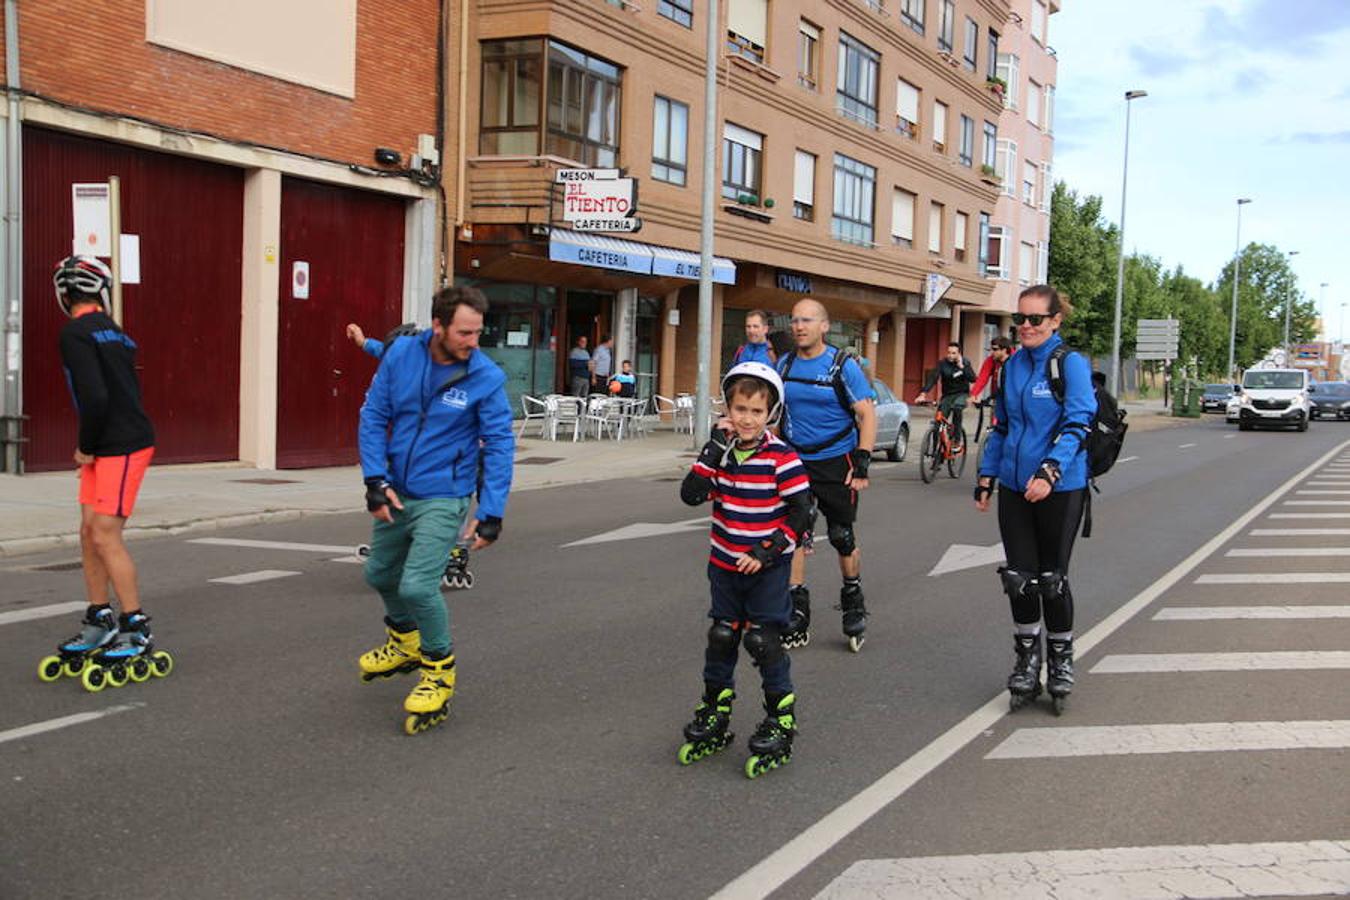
(185, 313)
(925, 342)
(352, 241)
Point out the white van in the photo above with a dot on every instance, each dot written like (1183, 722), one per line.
(1274, 397)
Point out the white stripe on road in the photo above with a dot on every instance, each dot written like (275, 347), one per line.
(1323, 493)
(1185, 446)
(42, 612)
(1136, 663)
(1127, 459)
(15, 734)
(1159, 873)
(796, 855)
(1309, 515)
(1328, 482)
(1229, 437)
(1276, 578)
(1299, 532)
(1316, 503)
(274, 545)
(254, 577)
(1201, 613)
(1189, 737)
(354, 559)
(1260, 552)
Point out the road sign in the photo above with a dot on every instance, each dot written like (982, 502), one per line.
(1174, 324)
(1146, 355)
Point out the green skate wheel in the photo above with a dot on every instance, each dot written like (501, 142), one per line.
(139, 670)
(75, 667)
(687, 755)
(117, 675)
(162, 663)
(49, 669)
(94, 679)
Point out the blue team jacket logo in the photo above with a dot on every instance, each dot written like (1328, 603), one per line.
(1041, 389)
(455, 397)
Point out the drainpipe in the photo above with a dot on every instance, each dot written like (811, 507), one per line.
(13, 248)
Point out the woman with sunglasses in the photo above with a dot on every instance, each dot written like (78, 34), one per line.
(1036, 457)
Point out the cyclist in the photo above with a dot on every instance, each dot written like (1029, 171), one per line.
(956, 375)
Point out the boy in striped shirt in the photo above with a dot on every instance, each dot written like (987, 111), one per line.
(761, 506)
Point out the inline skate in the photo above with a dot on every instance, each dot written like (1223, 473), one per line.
(73, 655)
(1059, 671)
(398, 654)
(132, 657)
(708, 731)
(428, 703)
(1024, 684)
(771, 744)
(457, 575)
(798, 631)
(854, 615)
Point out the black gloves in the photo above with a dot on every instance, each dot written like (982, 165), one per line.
(1048, 472)
(769, 549)
(375, 494)
(984, 490)
(490, 528)
(861, 459)
(712, 453)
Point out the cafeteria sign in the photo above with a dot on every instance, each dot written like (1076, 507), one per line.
(599, 200)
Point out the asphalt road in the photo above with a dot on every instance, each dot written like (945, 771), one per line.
(262, 767)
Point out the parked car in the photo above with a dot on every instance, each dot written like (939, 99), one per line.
(1234, 405)
(892, 423)
(1216, 397)
(1330, 400)
(1274, 397)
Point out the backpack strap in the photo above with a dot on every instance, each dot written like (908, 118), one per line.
(836, 375)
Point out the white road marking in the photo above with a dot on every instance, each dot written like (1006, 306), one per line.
(1275, 578)
(1309, 515)
(42, 612)
(1322, 492)
(1316, 503)
(1280, 660)
(353, 559)
(15, 734)
(1201, 613)
(1127, 459)
(643, 530)
(796, 855)
(967, 556)
(1229, 437)
(1328, 482)
(1188, 737)
(1159, 873)
(1184, 446)
(274, 545)
(1299, 532)
(254, 577)
(1261, 552)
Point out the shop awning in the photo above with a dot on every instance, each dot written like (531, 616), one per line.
(600, 251)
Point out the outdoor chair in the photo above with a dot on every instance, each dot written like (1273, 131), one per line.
(533, 409)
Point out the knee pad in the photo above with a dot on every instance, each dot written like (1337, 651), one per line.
(1017, 584)
(1053, 585)
(764, 644)
(724, 637)
(841, 539)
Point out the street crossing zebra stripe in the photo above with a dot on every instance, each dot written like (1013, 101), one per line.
(42, 612)
(1288, 551)
(1310, 515)
(273, 545)
(1275, 578)
(1274, 661)
(1202, 613)
(1299, 532)
(14, 734)
(1186, 737)
(254, 577)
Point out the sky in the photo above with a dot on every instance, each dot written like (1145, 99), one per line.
(1246, 98)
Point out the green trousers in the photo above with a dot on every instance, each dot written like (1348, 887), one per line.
(407, 559)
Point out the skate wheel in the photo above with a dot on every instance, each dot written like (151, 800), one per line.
(117, 675)
(855, 643)
(73, 668)
(446, 582)
(1057, 703)
(139, 670)
(363, 550)
(162, 663)
(687, 755)
(412, 724)
(468, 581)
(94, 678)
(49, 669)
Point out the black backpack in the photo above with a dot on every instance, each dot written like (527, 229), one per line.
(1106, 436)
(836, 373)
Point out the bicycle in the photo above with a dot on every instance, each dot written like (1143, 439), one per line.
(981, 434)
(938, 448)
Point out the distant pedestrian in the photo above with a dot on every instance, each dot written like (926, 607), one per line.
(624, 384)
(756, 347)
(579, 368)
(602, 363)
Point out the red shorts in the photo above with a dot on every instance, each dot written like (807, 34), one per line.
(110, 483)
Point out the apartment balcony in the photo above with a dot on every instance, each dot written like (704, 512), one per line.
(514, 190)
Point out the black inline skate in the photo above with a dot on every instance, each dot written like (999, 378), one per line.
(708, 731)
(854, 615)
(798, 631)
(771, 744)
(1059, 671)
(1024, 684)
(132, 658)
(73, 655)
(457, 575)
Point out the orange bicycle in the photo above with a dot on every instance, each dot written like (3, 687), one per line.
(941, 445)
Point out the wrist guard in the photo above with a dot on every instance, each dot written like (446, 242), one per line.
(983, 490)
(769, 549)
(715, 450)
(1048, 472)
(375, 494)
(490, 528)
(861, 459)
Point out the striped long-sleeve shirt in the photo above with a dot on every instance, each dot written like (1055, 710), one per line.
(754, 500)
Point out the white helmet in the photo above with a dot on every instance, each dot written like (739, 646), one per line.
(764, 373)
(84, 276)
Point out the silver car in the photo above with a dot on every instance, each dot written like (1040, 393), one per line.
(892, 423)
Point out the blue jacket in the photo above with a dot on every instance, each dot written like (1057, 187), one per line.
(428, 442)
(1034, 427)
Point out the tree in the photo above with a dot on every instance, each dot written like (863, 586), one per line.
(1265, 281)
(1082, 267)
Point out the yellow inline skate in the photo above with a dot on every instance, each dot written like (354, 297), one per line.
(428, 703)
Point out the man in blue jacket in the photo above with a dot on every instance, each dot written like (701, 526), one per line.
(436, 407)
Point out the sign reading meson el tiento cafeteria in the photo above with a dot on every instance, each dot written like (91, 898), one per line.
(599, 200)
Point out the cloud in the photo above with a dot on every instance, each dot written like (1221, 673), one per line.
(1250, 80)
(1320, 137)
(1297, 28)
(1343, 95)
(1159, 63)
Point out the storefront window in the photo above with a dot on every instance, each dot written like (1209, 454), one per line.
(518, 335)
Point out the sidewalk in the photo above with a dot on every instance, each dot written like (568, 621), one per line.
(1143, 415)
(39, 512)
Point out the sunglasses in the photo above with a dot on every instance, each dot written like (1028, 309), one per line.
(1034, 318)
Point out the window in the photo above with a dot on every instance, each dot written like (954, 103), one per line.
(1042, 262)
(1033, 103)
(935, 228)
(509, 116)
(583, 107)
(1026, 263)
(741, 152)
(906, 108)
(946, 24)
(804, 186)
(1047, 187)
(990, 145)
(670, 140)
(1028, 182)
(1006, 166)
(902, 219)
(858, 65)
(808, 54)
(983, 246)
(997, 252)
(681, 11)
(967, 148)
(747, 31)
(1007, 70)
(972, 50)
(991, 55)
(911, 13)
(939, 127)
(959, 236)
(1049, 109)
(1038, 22)
(855, 186)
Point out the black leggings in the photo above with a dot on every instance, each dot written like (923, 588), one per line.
(1038, 539)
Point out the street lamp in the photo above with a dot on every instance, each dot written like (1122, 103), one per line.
(1287, 301)
(1237, 267)
(1120, 268)
(1322, 311)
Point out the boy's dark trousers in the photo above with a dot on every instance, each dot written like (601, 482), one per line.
(761, 599)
